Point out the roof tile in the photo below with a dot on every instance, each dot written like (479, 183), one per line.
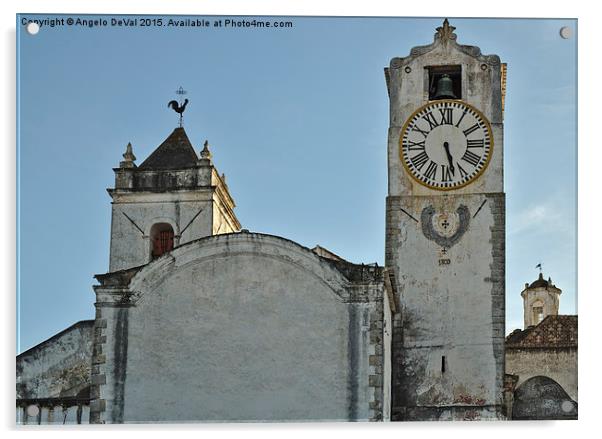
(551, 332)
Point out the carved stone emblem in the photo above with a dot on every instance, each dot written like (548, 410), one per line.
(445, 228)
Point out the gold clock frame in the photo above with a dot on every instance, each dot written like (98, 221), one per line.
(473, 179)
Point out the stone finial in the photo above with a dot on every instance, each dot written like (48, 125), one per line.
(129, 158)
(445, 32)
(223, 178)
(205, 153)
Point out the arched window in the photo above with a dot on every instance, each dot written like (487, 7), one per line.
(537, 308)
(161, 239)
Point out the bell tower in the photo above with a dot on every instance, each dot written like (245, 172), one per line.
(172, 198)
(445, 234)
(540, 299)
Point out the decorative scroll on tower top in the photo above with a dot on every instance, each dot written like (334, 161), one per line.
(445, 32)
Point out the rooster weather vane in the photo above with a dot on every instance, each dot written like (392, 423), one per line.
(179, 107)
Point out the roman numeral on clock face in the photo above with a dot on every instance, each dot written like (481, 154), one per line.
(475, 143)
(419, 160)
(446, 116)
(447, 173)
(415, 146)
(431, 120)
(463, 173)
(467, 131)
(431, 171)
(471, 158)
(418, 130)
(461, 117)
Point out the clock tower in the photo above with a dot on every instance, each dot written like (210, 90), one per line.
(445, 236)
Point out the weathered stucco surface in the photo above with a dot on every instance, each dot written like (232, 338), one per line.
(559, 364)
(57, 367)
(53, 378)
(450, 313)
(240, 327)
(130, 247)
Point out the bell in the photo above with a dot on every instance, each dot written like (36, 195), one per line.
(445, 88)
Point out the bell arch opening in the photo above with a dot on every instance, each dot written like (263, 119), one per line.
(161, 240)
(450, 87)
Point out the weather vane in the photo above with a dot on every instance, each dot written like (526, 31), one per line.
(179, 107)
(539, 266)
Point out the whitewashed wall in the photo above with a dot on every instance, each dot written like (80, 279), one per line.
(240, 327)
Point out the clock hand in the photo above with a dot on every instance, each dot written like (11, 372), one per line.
(449, 156)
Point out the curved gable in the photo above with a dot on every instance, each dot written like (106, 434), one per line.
(251, 245)
(244, 327)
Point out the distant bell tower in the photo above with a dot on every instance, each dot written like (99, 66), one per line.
(540, 299)
(172, 198)
(445, 235)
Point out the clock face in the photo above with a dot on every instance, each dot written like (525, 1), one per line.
(446, 144)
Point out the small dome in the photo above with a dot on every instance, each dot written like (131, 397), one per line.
(540, 283)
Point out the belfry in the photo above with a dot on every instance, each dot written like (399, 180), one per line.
(445, 237)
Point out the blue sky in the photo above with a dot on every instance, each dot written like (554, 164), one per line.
(296, 118)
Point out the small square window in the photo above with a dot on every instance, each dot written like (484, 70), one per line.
(442, 90)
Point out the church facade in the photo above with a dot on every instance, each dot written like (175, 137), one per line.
(198, 319)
